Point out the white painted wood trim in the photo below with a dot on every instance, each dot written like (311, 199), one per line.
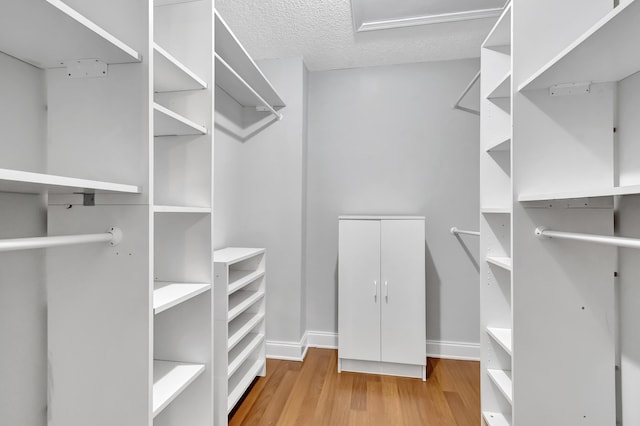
(435, 348)
(287, 351)
(453, 350)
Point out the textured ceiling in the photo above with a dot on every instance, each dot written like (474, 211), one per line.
(321, 31)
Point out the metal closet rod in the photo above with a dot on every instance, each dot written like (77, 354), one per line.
(113, 237)
(542, 232)
(456, 231)
(464, 93)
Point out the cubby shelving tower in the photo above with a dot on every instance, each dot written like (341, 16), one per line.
(239, 324)
(495, 224)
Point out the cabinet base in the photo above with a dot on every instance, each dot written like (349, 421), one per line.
(385, 368)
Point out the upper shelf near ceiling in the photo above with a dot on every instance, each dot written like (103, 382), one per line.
(48, 33)
(239, 76)
(604, 53)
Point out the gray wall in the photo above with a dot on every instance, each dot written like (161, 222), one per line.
(259, 193)
(385, 140)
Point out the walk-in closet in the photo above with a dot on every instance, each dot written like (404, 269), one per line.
(346, 212)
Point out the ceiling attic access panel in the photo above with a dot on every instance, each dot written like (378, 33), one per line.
(387, 14)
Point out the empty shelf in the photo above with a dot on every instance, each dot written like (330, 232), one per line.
(231, 255)
(169, 123)
(229, 49)
(241, 326)
(500, 35)
(36, 183)
(236, 87)
(170, 75)
(241, 380)
(240, 278)
(503, 89)
(181, 209)
(242, 300)
(502, 262)
(582, 193)
(45, 33)
(243, 351)
(496, 419)
(502, 379)
(502, 336)
(170, 379)
(501, 145)
(603, 53)
(169, 294)
(496, 210)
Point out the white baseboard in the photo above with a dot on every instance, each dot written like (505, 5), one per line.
(453, 350)
(296, 351)
(322, 339)
(288, 351)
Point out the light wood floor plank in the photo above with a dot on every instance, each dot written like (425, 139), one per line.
(312, 393)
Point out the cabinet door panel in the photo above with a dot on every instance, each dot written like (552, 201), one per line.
(359, 290)
(403, 323)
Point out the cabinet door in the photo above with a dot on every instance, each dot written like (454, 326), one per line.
(403, 323)
(359, 290)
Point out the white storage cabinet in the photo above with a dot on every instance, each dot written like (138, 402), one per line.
(381, 302)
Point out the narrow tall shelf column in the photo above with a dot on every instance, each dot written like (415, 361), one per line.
(240, 347)
(496, 223)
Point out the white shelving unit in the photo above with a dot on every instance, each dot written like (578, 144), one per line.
(167, 294)
(170, 123)
(240, 347)
(239, 76)
(496, 223)
(47, 33)
(574, 138)
(170, 379)
(182, 110)
(35, 183)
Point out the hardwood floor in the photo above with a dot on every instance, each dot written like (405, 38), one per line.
(313, 393)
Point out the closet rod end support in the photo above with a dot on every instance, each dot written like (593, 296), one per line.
(117, 236)
(540, 232)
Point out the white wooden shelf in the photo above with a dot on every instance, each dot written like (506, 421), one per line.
(36, 183)
(501, 145)
(500, 261)
(229, 49)
(231, 255)
(170, 379)
(602, 54)
(496, 419)
(45, 33)
(502, 89)
(169, 123)
(241, 278)
(242, 300)
(495, 210)
(170, 75)
(241, 326)
(502, 336)
(500, 35)
(239, 89)
(241, 352)
(181, 209)
(502, 379)
(169, 294)
(582, 193)
(239, 382)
